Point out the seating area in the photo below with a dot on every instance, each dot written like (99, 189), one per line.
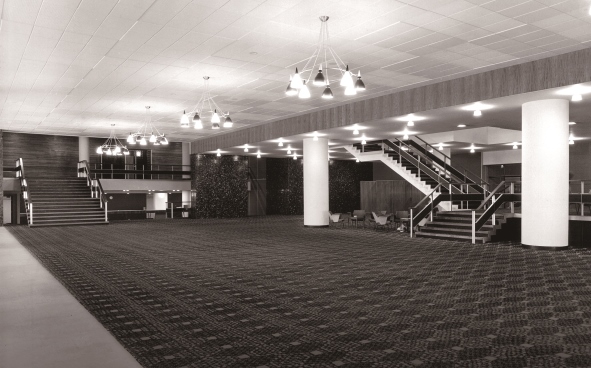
(376, 220)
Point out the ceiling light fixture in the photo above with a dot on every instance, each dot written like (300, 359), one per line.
(323, 59)
(289, 150)
(462, 126)
(315, 136)
(356, 129)
(245, 148)
(258, 154)
(219, 152)
(112, 146)
(572, 123)
(280, 142)
(472, 148)
(207, 104)
(143, 137)
(514, 145)
(440, 147)
(356, 160)
(477, 108)
(477, 113)
(295, 157)
(410, 123)
(576, 98)
(571, 139)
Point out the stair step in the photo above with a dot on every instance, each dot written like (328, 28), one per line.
(449, 236)
(52, 215)
(458, 224)
(58, 220)
(451, 230)
(71, 224)
(68, 212)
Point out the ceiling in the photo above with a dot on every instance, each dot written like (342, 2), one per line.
(75, 67)
(497, 129)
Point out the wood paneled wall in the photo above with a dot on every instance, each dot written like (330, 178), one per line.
(43, 155)
(555, 71)
(388, 195)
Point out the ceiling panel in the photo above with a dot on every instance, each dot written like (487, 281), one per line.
(86, 64)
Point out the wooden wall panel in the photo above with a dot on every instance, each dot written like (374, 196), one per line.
(389, 195)
(43, 155)
(555, 71)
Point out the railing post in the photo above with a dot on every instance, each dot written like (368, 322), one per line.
(411, 223)
(419, 165)
(31, 213)
(582, 191)
(512, 203)
(106, 215)
(473, 227)
(431, 213)
(494, 216)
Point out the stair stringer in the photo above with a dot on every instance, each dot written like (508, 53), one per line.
(398, 169)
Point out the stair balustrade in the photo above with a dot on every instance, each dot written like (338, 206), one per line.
(20, 173)
(96, 188)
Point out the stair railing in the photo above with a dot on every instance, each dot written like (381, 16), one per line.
(96, 188)
(20, 173)
(403, 151)
(459, 172)
(422, 210)
(497, 198)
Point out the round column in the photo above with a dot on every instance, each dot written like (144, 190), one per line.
(545, 160)
(83, 149)
(316, 182)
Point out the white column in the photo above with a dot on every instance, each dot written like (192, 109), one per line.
(545, 159)
(83, 149)
(316, 182)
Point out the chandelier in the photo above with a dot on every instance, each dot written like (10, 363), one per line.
(147, 133)
(112, 146)
(326, 59)
(205, 105)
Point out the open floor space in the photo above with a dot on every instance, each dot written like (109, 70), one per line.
(268, 292)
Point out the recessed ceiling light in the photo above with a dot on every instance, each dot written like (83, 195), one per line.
(572, 123)
(462, 126)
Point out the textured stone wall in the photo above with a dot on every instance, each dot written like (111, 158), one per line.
(220, 186)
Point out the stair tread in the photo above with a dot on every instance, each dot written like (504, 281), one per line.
(70, 223)
(451, 236)
(447, 229)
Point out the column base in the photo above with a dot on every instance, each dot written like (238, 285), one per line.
(537, 247)
(315, 225)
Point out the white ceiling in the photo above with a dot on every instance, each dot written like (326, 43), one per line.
(75, 67)
(497, 128)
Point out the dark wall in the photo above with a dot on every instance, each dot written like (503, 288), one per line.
(470, 161)
(344, 177)
(220, 185)
(285, 186)
(257, 196)
(381, 171)
(43, 155)
(389, 195)
(132, 201)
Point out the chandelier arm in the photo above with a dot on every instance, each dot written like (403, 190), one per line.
(317, 53)
(337, 59)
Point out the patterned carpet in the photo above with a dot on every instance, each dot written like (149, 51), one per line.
(267, 292)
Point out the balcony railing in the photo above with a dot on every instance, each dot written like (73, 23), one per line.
(145, 172)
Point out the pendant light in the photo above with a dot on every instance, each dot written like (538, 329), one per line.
(206, 104)
(289, 150)
(112, 146)
(184, 120)
(154, 136)
(356, 129)
(571, 139)
(323, 58)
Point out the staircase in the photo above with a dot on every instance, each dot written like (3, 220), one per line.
(444, 186)
(457, 225)
(60, 202)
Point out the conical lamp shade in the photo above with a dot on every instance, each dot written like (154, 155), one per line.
(296, 81)
(327, 92)
(304, 91)
(215, 118)
(359, 85)
(319, 79)
(184, 120)
(346, 79)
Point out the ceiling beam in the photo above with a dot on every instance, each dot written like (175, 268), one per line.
(552, 72)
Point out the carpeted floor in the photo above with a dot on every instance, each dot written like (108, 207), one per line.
(268, 292)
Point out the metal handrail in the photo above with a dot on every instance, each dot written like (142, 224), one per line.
(20, 173)
(482, 181)
(94, 188)
(493, 193)
(150, 170)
